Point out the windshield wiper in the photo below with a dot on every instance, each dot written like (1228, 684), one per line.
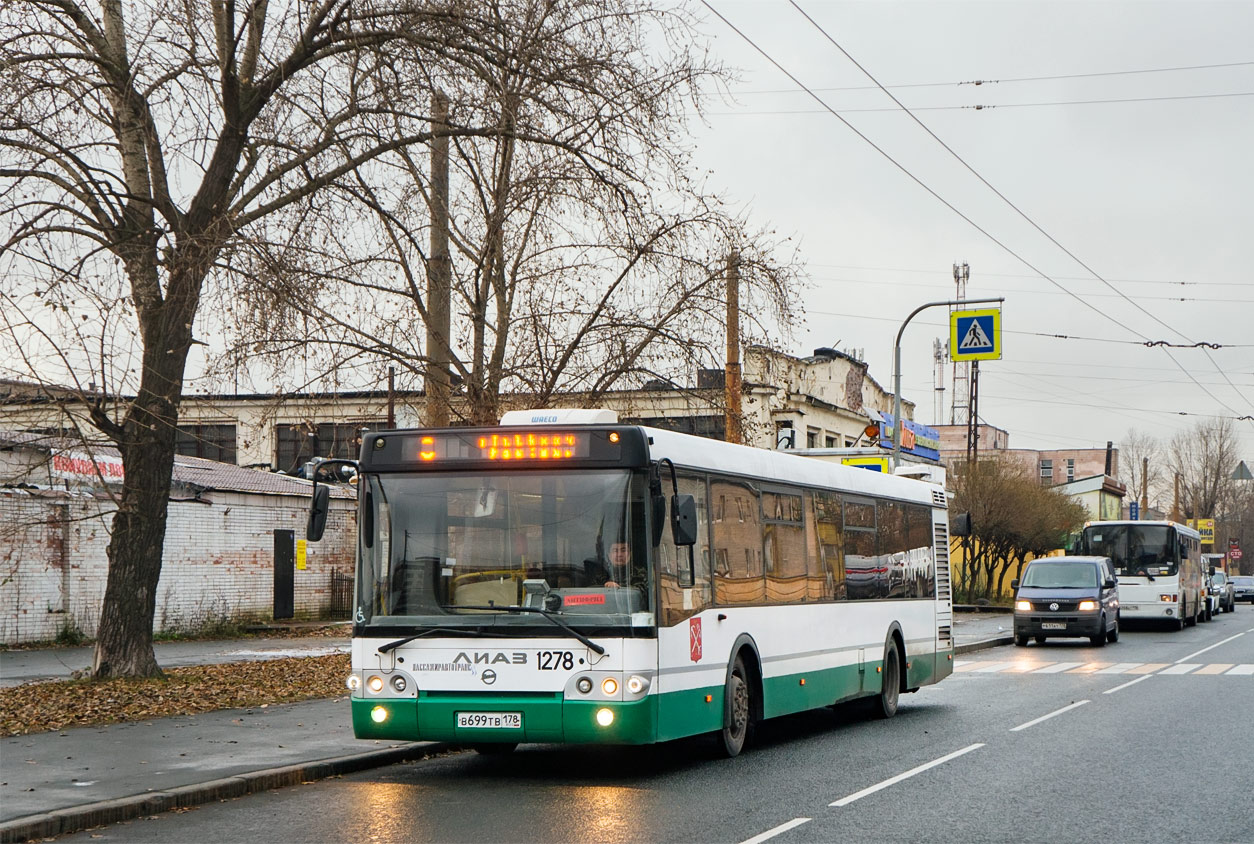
(572, 631)
(460, 631)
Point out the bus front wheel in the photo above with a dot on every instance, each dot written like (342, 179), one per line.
(737, 710)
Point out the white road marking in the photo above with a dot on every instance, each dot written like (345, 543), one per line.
(1119, 668)
(1204, 650)
(771, 833)
(1243, 668)
(991, 667)
(858, 795)
(1181, 669)
(1036, 721)
(1129, 683)
(1058, 668)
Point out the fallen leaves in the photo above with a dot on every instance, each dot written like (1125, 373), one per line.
(40, 707)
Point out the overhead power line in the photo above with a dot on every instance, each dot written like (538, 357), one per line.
(1008, 80)
(990, 106)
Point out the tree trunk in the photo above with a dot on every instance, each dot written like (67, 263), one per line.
(147, 443)
(124, 638)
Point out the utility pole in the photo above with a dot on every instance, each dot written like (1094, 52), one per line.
(731, 426)
(961, 410)
(439, 274)
(1144, 484)
(973, 415)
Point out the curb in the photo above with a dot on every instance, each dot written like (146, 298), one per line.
(982, 644)
(77, 818)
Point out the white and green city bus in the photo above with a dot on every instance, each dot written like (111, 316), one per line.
(759, 584)
(1159, 566)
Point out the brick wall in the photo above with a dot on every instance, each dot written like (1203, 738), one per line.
(218, 566)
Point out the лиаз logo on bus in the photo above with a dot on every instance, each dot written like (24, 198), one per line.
(694, 639)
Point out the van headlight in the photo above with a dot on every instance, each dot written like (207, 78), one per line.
(1087, 606)
(1023, 606)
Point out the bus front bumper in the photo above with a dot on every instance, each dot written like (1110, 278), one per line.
(540, 718)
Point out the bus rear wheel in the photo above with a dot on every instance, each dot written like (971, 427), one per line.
(737, 710)
(890, 689)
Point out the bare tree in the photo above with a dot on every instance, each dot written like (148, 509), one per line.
(1204, 458)
(583, 258)
(1013, 519)
(1142, 466)
(150, 151)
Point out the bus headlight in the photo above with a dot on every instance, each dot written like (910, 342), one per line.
(379, 714)
(610, 686)
(1087, 606)
(353, 682)
(399, 684)
(375, 683)
(605, 717)
(584, 685)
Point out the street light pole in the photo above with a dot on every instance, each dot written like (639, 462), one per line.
(897, 424)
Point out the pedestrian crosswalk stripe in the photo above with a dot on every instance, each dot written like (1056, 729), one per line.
(1214, 668)
(1058, 668)
(1148, 668)
(1031, 666)
(1119, 668)
(1089, 668)
(1183, 668)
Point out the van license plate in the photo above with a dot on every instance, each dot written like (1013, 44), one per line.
(1132, 607)
(1053, 625)
(490, 720)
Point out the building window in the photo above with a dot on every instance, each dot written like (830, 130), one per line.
(212, 442)
(812, 438)
(1047, 471)
(830, 441)
(1070, 469)
(300, 442)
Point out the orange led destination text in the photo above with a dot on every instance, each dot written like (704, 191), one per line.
(528, 446)
(427, 451)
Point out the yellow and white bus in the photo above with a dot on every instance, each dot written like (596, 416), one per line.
(565, 578)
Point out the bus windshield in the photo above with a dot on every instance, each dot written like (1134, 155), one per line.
(459, 550)
(1136, 550)
(1043, 574)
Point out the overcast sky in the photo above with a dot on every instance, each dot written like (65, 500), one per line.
(1151, 188)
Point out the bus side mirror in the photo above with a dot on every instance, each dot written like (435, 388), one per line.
(684, 519)
(658, 502)
(318, 513)
(960, 525)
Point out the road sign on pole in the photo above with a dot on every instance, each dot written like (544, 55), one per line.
(1134, 511)
(975, 335)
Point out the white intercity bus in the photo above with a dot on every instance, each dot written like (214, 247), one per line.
(565, 578)
(1159, 566)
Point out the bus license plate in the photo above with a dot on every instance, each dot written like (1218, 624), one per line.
(490, 720)
(1053, 625)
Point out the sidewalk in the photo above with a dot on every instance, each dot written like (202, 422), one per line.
(60, 782)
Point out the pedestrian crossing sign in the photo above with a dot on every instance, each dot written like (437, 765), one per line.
(975, 335)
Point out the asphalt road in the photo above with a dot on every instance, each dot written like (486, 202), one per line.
(1137, 741)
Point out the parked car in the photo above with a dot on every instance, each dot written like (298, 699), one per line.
(1221, 587)
(1067, 596)
(1242, 587)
